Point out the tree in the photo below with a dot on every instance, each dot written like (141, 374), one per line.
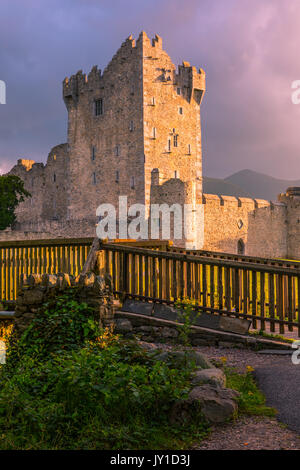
(12, 192)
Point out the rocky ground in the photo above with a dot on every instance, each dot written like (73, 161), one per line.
(250, 433)
(247, 433)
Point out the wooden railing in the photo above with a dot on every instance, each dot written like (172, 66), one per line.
(268, 295)
(236, 257)
(40, 257)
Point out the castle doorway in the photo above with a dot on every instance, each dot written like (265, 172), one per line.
(241, 247)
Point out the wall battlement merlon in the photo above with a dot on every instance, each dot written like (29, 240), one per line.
(228, 201)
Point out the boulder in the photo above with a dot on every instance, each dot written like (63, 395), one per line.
(136, 306)
(123, 326)
(184, 357)
(216, 405)
(234, 325)
(33, 297)
(214, 377)
(169, 332)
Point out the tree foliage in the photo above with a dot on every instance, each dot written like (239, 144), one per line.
(12, 192)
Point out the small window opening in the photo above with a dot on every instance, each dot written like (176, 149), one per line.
(98, 107)
(241, 247)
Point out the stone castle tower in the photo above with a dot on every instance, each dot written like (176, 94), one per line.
(135, 130)
(134, 126)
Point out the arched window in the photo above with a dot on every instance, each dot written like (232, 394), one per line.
(241, 247)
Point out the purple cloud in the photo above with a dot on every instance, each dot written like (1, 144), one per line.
(248, 49)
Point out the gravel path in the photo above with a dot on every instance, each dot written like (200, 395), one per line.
(258, 433)
(252, 433)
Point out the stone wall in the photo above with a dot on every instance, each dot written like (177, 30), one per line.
(47, 185)
(261, 225)
(96, 291)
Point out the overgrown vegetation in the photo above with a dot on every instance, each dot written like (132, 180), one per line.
(271, 336)
(186, 318)
(251, 401)
(12, 192)
(68, 384)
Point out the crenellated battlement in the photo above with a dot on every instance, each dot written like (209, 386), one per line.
(243, 202)
(188, 77)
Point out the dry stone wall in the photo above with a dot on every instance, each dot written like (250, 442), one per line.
(95, 291)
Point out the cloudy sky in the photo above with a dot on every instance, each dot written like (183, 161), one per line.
(248, 48)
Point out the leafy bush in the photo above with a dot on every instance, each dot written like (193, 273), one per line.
(63, 324)
(70, 385)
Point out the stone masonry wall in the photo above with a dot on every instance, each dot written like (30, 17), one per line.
(96, 291)
(261, 226)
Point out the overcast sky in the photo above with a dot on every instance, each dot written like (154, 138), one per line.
(248, 48)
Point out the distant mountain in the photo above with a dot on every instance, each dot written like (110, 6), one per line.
(222, 187)
(248, 183)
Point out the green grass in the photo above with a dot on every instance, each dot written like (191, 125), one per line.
(271, 336)
(251, 401)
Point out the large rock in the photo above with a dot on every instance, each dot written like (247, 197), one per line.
(234, 325)
(33, 297)
(216, 405)
(136, 306)
(123, 326)
(185, 357)
(165, 312)
(214, 376)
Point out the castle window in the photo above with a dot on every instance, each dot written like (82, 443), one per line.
(99, 107)
(132, 183)
(241, 247)
(189, 149)
(176, 140)
(169, 145)
(117, 176)
(131, 127)
(93, 153)
(176, 174)
(154, 132)
(54, 157)
(178, 91)
(54, 178)
(180, 110)
(153, 101)
(94, 179)
(117, 151)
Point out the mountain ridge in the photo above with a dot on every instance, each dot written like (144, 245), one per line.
(248, 183)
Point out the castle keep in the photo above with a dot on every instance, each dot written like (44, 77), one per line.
(135, 130)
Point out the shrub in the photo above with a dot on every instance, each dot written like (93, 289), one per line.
(70, 385)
